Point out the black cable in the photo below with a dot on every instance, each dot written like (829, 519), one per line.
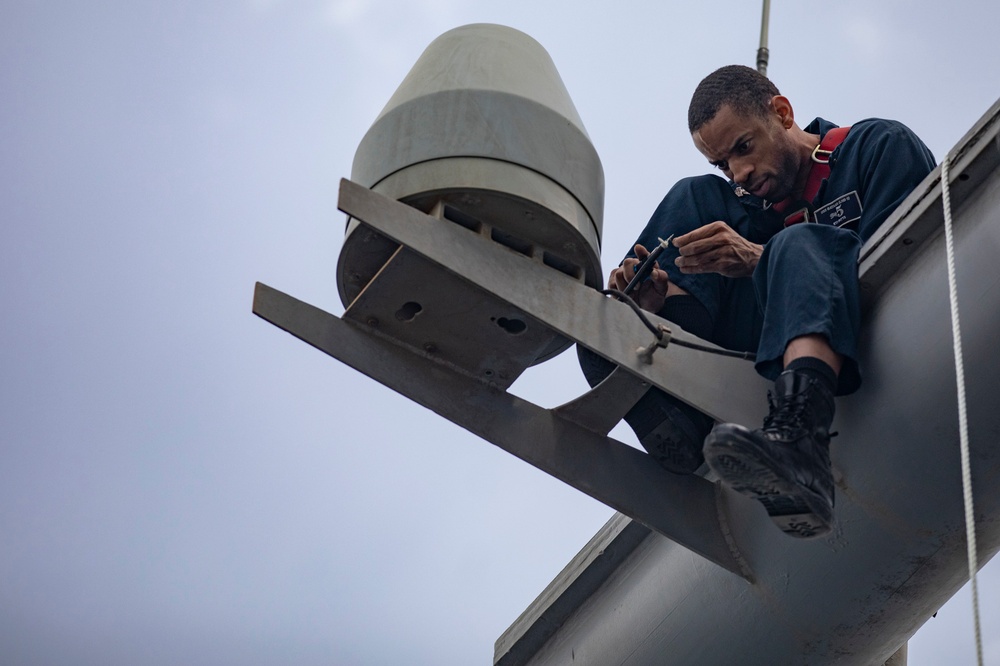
(746, 356)
(625, 298)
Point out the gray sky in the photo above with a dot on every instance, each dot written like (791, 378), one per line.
(180, 482)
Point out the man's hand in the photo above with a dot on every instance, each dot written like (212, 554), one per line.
(717, 248)
(650, 293)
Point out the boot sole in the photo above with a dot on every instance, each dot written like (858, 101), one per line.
(662, 438)
(796, 510)
(679, 457)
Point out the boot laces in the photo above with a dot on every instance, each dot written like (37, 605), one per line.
(787, 413)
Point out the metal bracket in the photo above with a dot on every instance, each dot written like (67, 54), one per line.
(604, 406)
(582, 314)
(646, 353)
(569, 442)
(682, 508)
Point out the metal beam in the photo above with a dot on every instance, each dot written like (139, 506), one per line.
(570, 308)
(602, 408)
(575, 584)
(680, 507)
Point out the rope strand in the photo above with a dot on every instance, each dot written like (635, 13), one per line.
(963, 421)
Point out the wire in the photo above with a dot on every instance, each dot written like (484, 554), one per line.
(746, 356)
(963, 419)
(625, 298)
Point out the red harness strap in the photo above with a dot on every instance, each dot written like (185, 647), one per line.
(819, 172)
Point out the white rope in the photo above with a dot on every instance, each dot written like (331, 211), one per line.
(963, 421)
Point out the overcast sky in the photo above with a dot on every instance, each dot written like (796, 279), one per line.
(183, 483)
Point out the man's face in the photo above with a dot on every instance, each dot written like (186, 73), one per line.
(756, 152)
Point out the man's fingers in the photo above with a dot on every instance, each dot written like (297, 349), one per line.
(699, 262)
(685, 263)
(623, 274)
(658, 280)
(703, 245)
(659, 277)
(701, 233)
(615, 280)
(620, 276)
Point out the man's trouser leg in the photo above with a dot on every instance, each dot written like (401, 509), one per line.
(807, 284)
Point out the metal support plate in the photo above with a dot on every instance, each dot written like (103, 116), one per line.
(682, 508)
(570, 308)
(414, 301)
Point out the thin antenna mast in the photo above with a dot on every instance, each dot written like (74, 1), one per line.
(762, 52)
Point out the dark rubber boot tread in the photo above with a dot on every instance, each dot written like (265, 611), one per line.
(792, 507)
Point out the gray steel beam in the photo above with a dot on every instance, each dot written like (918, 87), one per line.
(580, 313)
(681, 507)
(598, 560)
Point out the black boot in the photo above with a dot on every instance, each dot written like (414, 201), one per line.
(786, 464)
(671, 431)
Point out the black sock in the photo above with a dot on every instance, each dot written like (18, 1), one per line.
(817, 369)
(689, 313)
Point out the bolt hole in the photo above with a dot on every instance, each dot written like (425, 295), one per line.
(512, 326)
(408, 311)
(963, 176)
(907, 241)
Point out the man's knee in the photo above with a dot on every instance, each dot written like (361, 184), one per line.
(691, 204)
(796, 236)
(701, 187)
(824, 237)
(804, 248)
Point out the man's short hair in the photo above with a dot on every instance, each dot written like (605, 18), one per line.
(746, 90)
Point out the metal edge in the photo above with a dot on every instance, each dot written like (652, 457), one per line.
(578, 580)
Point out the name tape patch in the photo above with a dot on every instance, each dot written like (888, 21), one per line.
(840, 212)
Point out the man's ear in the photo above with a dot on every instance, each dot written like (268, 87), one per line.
(783, 108)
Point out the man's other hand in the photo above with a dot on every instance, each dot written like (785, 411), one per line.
(717, 248)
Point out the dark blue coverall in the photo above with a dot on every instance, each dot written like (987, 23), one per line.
(807, 279)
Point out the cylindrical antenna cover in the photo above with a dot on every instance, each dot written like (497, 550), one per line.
(484, 123)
